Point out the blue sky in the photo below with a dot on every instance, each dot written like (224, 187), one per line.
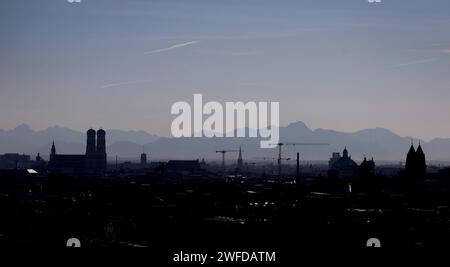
(345, 65)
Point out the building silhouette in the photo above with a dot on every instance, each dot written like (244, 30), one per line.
(240, 162)
(184, 166)
(366, 168)
(92, 162)
(416, 166)
(101, 151)
(14, 161)
(341, 167)
(334, 157)
(143, 159)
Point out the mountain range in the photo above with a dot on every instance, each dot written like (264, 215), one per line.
(379, 143)
(23, 139)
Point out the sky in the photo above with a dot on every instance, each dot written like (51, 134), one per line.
(344, 65)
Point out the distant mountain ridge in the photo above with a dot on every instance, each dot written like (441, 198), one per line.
(380, 143)
(23, 139)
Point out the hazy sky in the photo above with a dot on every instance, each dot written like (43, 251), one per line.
(344, 65)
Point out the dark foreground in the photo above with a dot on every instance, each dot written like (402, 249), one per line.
(195, 214)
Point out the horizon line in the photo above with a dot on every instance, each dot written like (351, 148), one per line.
(426, 140)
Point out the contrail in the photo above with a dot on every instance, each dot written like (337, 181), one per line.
(445, 51)
(171, 47)
(442, 51)
(417, 62)
(124, 83)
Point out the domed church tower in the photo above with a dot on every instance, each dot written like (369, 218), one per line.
(90, 159)
(101, 150)
(90, 143)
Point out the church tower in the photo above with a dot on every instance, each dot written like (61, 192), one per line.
(143, 158)
(410, 160)
(101, 150)
(90, 158)
(416, 166)
(345, 153)
(240, 162)
(421, 162)
(90, 143)
(53, 152)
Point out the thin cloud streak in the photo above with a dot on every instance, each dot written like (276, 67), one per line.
(124, 83)
(416, 62)
(441, 51)
(171, 47)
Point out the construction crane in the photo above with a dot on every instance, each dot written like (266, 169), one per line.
(280, 145)
(223, 157)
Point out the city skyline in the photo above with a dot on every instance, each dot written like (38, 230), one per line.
(231, 131)
(381, 144)
(346, 65)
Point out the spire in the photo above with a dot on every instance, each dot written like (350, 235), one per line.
(345, 153)
(421, 162)
(416, 163)
(53, 151)
(410, 159)
(240, 162)
(412, 150)
(419, 151)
